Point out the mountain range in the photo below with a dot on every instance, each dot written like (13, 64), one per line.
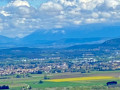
(42, 39)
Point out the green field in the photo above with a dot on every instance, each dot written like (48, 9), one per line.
(33, 81)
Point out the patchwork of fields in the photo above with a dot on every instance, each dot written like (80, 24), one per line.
(90, 80)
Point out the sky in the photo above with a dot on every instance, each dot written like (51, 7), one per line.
(19, 18)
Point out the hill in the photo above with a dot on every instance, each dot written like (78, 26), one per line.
(112, 42)
(109, 44)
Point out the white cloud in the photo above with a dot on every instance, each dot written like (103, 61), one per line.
(51, 9)
(112, 3)
(95, 15)
(68, 2)
(5, 13)
(77, 22)
(90, 4)
(51, 5)
(105, 14)
(18, 3)
(18, 18)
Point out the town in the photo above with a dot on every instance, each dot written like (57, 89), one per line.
(57, 65)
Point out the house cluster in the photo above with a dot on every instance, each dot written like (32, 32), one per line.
(17, 71)
(83, 66)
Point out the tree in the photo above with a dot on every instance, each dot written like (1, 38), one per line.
(45, 77)
(28, 75)
(82, 70)
(30, 88)
(4, 87)
(18, 76)
(39, 72)
(40, 81)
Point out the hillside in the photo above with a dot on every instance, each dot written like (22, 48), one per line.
(112, 42)
(109, 44)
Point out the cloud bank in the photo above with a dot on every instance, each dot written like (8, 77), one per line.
(19, 18)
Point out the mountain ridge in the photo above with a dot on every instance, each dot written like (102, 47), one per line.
(108, 44)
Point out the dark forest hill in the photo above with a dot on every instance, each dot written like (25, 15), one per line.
(109, 44)
(112, 42)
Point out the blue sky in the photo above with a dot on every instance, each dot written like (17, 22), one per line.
(19, 18)
(34, 3)
(3, 3)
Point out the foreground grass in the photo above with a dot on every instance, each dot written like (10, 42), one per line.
(33, 81)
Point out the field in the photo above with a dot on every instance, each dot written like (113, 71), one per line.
(81, 79)
(57, 81)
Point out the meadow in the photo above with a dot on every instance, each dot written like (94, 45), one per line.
(91, 80)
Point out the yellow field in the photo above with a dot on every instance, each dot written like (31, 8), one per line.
(81, 79)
